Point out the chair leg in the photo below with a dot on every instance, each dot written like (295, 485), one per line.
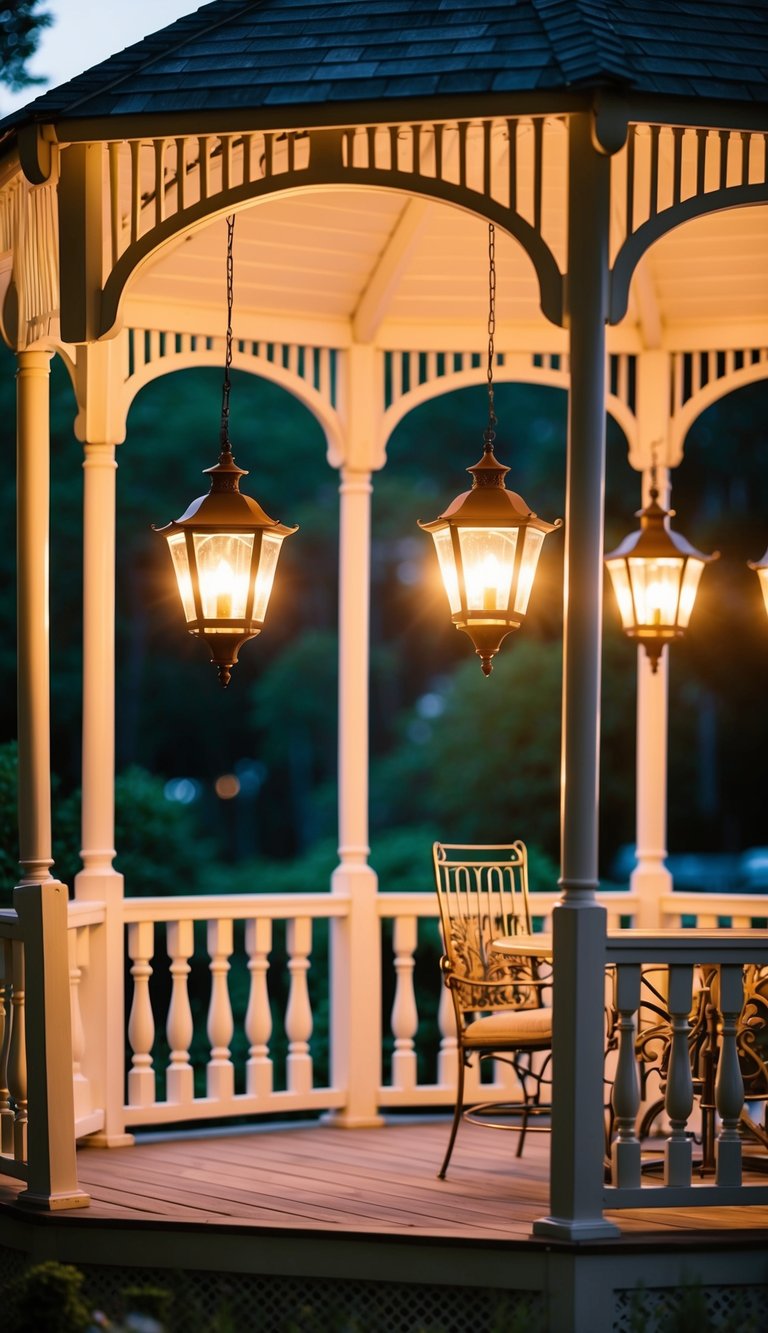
(523, 1128)
(456, 1117)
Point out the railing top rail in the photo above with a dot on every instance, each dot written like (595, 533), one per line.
(720, 904)
(688, 946)
(391, 903)
(85, 913)
(235, 907)
(9, 925)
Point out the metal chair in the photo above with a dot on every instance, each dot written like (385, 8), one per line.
(483, 894)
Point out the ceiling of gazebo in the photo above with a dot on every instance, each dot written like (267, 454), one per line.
(392, 269)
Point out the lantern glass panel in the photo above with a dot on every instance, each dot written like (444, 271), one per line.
(223, 573)
(693, 572)
(762, 574)
(488, 561)
(265, 577)
(177, 545)
(444, 548)
(533, 542)
(620, 579)
(655, 588)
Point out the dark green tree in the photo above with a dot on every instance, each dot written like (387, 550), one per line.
(21, 23)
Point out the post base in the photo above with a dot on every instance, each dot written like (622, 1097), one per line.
(567, 1228)
(54, 1202)
(104, 1140)
(341, 1120)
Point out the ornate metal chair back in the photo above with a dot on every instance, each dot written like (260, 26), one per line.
(482, 891)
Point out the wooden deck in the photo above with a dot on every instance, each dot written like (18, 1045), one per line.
(318, 1178)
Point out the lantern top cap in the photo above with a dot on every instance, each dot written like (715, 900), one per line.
(655, 540)
(225, 508)
(489, 503)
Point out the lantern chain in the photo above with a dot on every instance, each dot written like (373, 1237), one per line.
(226, 444)
(489, 435)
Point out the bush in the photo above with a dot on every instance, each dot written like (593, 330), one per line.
(47, 1299)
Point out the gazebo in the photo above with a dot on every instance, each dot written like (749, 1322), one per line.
(621, 151)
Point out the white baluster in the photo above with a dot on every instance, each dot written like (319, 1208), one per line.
(729, 1085)
(625, 1150)
(141, 1024)
(180, 1027)
(258, 1018)
(405, 1018)
(78, 942)
(298, 1015)
(446, 1022)
(679, 1095)
(220, 1075)
(17, 1061)
(6, 1024)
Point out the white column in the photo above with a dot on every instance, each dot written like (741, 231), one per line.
(650, 878)
(356, 940)
(98, 814)
(32, 550)
(103, 1001)
(578, 922)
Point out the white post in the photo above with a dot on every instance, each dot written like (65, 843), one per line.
(32, 549)
(578, 922)
(356, 939)
(650, 878)
(100, 423)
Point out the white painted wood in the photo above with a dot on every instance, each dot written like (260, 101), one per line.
(729, 1084)
(32, 544)
(180, 1026)
(220, 1072)
(386, 277)
(446, 1022)
(77, 941)
(258, 1018)
(405, 1017)
(298, 1014)
(141, 1023)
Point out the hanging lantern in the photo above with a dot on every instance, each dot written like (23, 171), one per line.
(225, 548)
(488, 541)
(655, 574)
(761, 569)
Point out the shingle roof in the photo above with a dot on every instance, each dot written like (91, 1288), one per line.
(248, 55)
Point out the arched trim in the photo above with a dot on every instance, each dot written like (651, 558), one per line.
(514, 374)
(685, 416)
(633, 249)
(322, 410)
(142, 250)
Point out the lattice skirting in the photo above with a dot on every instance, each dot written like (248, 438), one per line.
(653, 1309)
(208, 1302)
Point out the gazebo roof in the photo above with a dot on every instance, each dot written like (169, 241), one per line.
(306, 52)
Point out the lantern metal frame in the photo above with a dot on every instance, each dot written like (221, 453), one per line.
(489, 506)
(227, 512)
(654, 541)
(761, 569)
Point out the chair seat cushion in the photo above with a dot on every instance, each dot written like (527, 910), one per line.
(509, 1027)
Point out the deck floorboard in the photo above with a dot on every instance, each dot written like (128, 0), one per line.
(322, 1178)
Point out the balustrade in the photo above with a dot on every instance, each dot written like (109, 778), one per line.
(701, 1031)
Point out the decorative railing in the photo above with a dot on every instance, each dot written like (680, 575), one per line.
(714, 961)
(223, 1018)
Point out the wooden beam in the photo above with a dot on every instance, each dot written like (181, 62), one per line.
(648, 312)
(394, 259)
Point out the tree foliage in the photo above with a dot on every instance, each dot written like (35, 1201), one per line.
(21, 24)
